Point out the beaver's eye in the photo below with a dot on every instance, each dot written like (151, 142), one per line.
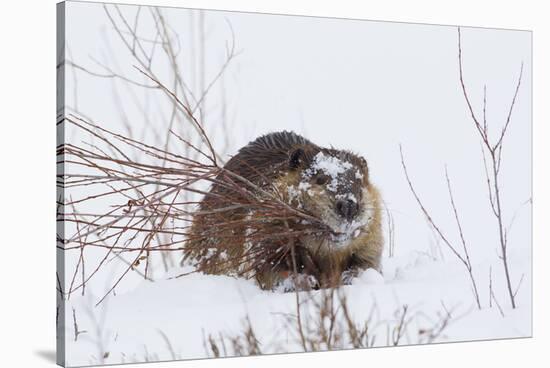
(321, 179)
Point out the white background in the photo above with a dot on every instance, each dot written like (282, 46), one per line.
(364, 86)
(28, 185)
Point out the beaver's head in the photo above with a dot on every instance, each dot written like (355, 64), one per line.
(333, 186)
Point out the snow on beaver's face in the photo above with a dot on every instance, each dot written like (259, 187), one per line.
(333, 185)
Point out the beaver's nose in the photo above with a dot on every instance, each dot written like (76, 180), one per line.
(347, 208)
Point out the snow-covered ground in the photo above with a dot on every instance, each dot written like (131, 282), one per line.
(171, 318)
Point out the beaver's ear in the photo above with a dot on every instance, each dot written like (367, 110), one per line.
(296, 158)
(365, 168)
(363, 162)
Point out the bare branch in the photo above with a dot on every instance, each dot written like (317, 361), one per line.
(495, 155)
(426, 213)
(464, 247)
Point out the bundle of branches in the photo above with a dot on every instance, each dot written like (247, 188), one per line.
(138, 189)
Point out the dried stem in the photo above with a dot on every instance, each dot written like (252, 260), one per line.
(465, 257)
(494, 153)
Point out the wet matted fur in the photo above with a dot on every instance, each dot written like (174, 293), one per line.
(233, 236)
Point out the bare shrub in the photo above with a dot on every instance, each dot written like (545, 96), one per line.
(245, 343)
(327, 323)
(147, 192)
(163, 47)
(145, 211)
(493, 149)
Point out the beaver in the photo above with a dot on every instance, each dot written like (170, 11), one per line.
(231, 235)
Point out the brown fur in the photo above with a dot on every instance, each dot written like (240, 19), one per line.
(220, 242)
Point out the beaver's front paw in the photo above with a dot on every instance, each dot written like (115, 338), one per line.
(297, 282)
(348, 276)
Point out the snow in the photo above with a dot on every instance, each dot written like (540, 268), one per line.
(329, 165)
(304, 186)
(369, 276)
(295, 192)
(171, 317)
